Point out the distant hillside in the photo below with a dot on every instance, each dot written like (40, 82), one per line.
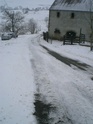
(31, 9)
(26, 3)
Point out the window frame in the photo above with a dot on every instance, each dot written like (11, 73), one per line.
(57, 31)
(72, 15)
(58, 14)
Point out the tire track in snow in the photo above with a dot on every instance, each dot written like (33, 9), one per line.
(46, 92)
(69, 62)
(68, 101)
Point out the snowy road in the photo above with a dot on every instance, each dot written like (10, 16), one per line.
(28, 70)
(69, 90)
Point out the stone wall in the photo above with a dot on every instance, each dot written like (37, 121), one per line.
(62, 21)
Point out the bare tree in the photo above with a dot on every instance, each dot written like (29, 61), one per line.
(13, 20)
(32, 26)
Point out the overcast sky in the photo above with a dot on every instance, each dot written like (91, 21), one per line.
(26, 3)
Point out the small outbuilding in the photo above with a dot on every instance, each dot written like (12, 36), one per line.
(70, 15)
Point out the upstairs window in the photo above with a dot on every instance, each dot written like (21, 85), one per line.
(72, 15)
(58, 14)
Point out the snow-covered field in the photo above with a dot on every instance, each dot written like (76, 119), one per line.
(39, 17)
(26, 68)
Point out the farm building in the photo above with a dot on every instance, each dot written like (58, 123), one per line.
(70, 15)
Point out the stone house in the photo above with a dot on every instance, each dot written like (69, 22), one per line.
(75, 15)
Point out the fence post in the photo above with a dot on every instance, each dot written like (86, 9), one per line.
(80, 36)
(47, 36)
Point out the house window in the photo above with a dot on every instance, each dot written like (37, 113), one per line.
(72, 15)
(58, 14)
(57, 31)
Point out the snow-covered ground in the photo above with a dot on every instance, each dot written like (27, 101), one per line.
(16, 82)
(74, 51)
(26, 68)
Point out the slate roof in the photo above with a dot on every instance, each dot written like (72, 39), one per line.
(73, 5)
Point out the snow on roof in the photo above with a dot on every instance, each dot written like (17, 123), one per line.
(74, 5)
